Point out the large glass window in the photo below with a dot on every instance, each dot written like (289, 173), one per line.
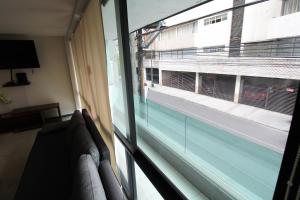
(115, 70)
(214, 91)
(217, 124)
(145, 189)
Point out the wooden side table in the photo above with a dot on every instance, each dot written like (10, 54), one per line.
(27, 118)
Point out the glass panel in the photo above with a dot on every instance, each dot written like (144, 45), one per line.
(115, 72)
(121, 161)
(216, 122)
(145, 189)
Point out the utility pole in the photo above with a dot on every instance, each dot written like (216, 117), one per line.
(140, 55)
(236, 29)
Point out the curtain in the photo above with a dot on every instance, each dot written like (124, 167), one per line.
(88, 50)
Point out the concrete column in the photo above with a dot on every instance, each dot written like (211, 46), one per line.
(197, 83)
(160, 76)
(237, 89)
(236, 29)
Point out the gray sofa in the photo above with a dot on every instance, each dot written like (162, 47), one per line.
(69, 160)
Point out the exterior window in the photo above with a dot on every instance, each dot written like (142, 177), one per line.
(290, 6)
(224, 17)
(152, 75)
(215, 19)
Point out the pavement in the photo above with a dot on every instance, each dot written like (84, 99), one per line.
(263, 127)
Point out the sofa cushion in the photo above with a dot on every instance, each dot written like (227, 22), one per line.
(103, 149)
(82, 143)
(111, 185)
(76, 120)
(87, 184)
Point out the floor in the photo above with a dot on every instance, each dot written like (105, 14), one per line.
(14, 150)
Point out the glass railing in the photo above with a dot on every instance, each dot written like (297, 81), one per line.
(243, 169)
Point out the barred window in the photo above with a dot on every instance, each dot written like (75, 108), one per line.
(215, 19)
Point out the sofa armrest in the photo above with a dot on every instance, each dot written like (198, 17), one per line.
(110, 183)
(54, 127)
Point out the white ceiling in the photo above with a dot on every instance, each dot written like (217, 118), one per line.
(35, 17)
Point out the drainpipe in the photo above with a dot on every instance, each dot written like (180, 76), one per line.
(140, 55)
(237, 89)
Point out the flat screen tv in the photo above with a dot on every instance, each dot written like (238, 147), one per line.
(16, 54)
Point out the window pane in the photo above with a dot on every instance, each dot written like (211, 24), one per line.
(145, 189)
(115, 72)
(216, 122)
(121, 161)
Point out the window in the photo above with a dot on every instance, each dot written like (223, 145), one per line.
(215, 19)
(214, 127)
(152, 75)
(145, 189)
(290, 6)
(149, 54)
(121, 163)
(204, 122)
(116, 79)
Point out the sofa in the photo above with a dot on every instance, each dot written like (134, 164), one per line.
(69, 160)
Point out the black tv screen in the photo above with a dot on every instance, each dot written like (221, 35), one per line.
(15, 54)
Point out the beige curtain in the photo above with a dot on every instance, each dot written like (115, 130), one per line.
(88, 50)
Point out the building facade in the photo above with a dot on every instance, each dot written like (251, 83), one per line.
(253, 61)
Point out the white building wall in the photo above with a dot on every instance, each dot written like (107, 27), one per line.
(284, 26)
(174, 39)
(210, 35)
(262, 21)
(257, 19)
(214, 34)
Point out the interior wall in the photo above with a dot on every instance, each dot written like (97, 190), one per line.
(50, 83)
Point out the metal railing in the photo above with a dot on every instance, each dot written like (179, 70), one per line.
(280, 48)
